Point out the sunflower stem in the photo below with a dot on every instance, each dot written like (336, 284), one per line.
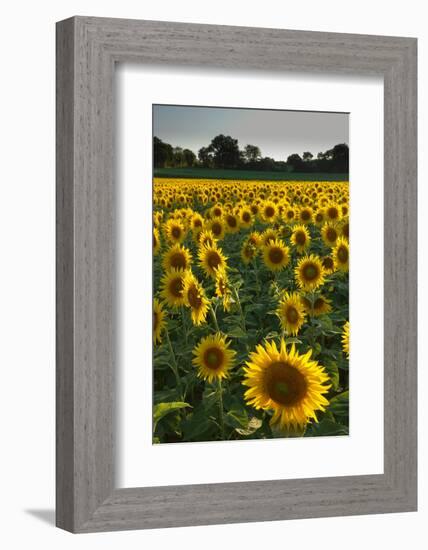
(220, 407)
(174, 365)
(241, 313)
(214, 318)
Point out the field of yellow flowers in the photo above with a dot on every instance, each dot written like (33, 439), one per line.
(251, 309)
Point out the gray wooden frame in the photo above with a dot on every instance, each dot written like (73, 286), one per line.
(87, 50)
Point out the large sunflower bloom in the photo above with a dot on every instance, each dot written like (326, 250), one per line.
(177, 257)
(309, 273)
(211, 258)
(341, 254)
(194, 298)
(291, 313)
(174, 231)
(172, 285)
(158, 321)
(300, 238)
(345, 338)
(276, 255)
(291, 385)
(213, 358)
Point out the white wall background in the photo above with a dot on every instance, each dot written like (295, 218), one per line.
(27, 272)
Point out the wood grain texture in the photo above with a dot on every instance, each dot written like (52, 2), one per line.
(87, 50)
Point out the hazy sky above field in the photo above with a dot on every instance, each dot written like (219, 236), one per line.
(277, 133)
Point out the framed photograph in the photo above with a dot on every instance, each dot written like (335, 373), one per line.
(222, 357)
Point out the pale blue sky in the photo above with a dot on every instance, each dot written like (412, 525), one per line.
(277, 133)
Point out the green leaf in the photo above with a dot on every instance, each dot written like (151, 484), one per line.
(162, 409)
(327, 427)
(292, 340)
(236, 332)
(339, 405)
(333, 373)
(236, 418)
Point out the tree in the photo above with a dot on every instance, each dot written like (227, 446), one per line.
(307, 156)
(162, 153)
(295, 162)
(252, 153)
(206, 157)
(189, 158)
(225, 151)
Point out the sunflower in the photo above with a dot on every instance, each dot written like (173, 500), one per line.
(330, 233)
(206, 237)
(213, 358)
(156, 242)
(341, 254)
(319, 305)
(245, 217)
(301, 238)
(222, 288)
(269, 211)
(158, 321)
(217, 228)
(276, 255)
(345, 338)
(194, 298)
(174, 231)
(267, 236)
(309, 273)
(328, 265)
(287, 383)
(319, 217)
(333, 212)
(291, 313)
(289, 214)
(211, 258)
(248, 252)
(305, 215)
(177, 257)
(172, 285)
(196, 223)
(232, 222)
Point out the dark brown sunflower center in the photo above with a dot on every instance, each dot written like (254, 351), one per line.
(248, 251)
(310, 272)
(305, 215)
(333, 213)
(213, 260)
(319, 217)
(345, 230)
(155, 320)
(216, 228)
(197, 223)
(290, 214)
(217, 212)
(300, 237)
(254, 209)
(343, 254)
(292, 314)
(328, 263)
(319, 302)
(276, 255)
(213, 358)
(176, 232)
(331, 234)
(231, 221)
(246, 217)
(285, 384)
(269, 211)
(176, 287)
(178, 260)
(194, 297)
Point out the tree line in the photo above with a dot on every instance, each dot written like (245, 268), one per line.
(224, 152)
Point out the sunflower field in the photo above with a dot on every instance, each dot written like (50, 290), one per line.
(251, 309)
